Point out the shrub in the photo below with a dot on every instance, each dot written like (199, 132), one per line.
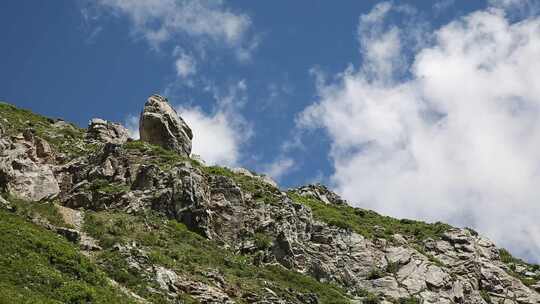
(262, 241)
(375, 274)
(101, 185)
(485, 296)
(409, 300)
(371, 299)
(392, 267)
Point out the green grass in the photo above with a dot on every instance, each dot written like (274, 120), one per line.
(262, 241)
(371, 299)
(260, 190)
(20, 119)
(485, 296)
(161, 157)
(170, 244)
(68, 140)
(45, 210)
(369, 223)
(409, 300)
(375, 274)
(420, 248)
(101, 185)
(512, 262)
(38, 266)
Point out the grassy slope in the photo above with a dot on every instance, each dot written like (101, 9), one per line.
(172, 245)
(369, 223)
(38, 266)
(67, 139)
(57, 281)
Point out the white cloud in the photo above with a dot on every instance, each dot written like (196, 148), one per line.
(454, 137)
(215, 139)
(279, 168)
(219, 135)
(185, 66)
(158, 21)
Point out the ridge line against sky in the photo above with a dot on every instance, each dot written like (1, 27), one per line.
(427, 111)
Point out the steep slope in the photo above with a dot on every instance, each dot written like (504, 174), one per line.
(39, 266)
(165, 228)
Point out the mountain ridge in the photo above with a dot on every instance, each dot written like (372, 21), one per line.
(165, 228)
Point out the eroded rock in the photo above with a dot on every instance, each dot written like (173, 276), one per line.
(25, 169)
(161, 125)
(107, 132)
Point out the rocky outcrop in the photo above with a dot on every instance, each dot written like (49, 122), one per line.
(248, 215)
(460, 267)
(107, 132)
(26, 169)
(321, 193)
(263, 178)
(161, 125)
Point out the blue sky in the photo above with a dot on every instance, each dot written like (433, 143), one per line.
(63, 63)
(422, 109)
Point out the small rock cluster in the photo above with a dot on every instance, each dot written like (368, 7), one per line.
(104, 131)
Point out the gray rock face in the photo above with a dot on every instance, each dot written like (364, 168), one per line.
(263, 178)
(107, 132)
(461, 267)
(321, 193)
(161, 125)
(25, 168)
(232, 208)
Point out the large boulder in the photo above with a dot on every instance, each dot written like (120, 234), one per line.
(108, 132)
(26, 171)
(161, 125)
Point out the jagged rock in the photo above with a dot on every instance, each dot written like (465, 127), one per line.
(161, 125)
(24, 173)
(264, 178)
(169, 281)
(458, 266)
(322, 193)
(107, 132)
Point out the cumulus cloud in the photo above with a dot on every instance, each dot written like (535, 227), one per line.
(158, 21)
(218, 136)
(215, 139)
(452, 133)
